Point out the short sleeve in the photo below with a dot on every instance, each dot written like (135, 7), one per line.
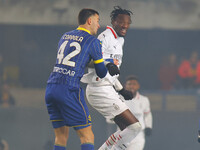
(147, 108)
(104, 42)
(95, 51)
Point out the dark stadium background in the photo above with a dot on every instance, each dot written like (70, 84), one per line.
(29, 51)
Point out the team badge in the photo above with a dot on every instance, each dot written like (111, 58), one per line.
(116, 107)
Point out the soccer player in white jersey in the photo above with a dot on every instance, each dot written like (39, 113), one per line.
(140, 107)
(102, 95)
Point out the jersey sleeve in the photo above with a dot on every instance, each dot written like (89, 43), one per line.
(146, 104)
(96, 55)
(96, 52)
(148, 119)
(103, 40)
(105, 45)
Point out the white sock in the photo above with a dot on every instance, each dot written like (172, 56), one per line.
(126, 136)
(110, 141)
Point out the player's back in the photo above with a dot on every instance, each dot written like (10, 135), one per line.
(74, 52)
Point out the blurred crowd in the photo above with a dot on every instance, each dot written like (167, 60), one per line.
(6, 98)
(180, 72)
(175, 72)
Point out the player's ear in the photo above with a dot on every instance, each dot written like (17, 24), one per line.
(89, 20)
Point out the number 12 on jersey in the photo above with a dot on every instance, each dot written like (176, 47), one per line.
(65, 60)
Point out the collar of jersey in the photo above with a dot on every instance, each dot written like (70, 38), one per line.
(113, 31)
(83, 29)
(137, 95)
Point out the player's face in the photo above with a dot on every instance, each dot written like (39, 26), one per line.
(121, 24)
(132, 85)
(94, 24)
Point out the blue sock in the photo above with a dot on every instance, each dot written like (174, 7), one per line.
(56, 147)
(87, 146)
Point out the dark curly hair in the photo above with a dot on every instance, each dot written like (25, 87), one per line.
(118, 10)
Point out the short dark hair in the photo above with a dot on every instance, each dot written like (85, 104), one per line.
(84, 14)
(132, 77)
(118, 10)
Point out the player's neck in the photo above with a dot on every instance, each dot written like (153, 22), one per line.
(85, 26)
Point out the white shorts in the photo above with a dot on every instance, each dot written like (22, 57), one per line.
(105, 100)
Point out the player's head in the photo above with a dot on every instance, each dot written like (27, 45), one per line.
(132, 84)
(121, 20)
(90, 18)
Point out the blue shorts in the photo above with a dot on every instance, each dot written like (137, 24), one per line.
(66, 106)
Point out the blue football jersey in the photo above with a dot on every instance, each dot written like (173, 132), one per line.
(75, 50)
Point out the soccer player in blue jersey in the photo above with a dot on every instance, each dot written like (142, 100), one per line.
(64, 96)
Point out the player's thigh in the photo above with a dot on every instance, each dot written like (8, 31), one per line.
(105, 100)
(74, 109)
(51, 99)
(66, 106)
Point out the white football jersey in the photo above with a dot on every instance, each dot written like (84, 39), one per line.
(112, 45)
(112, 48)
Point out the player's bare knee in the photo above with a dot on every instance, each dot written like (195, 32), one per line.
(86, 135)
(87, 138)
(61, 140)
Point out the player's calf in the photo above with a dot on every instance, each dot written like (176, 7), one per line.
(110, 141)
(126, 136)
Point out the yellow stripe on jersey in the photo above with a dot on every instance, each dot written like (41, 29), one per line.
(79, 28)
(98, 61)
(56, 120)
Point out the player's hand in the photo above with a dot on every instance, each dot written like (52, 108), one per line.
(128, 95)
(116, 61)
(199, 137)
(148, 131)
(112, 69)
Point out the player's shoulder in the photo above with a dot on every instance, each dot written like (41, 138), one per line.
(95, 40)
(144, 97)
(106, 34)
(70, 32)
